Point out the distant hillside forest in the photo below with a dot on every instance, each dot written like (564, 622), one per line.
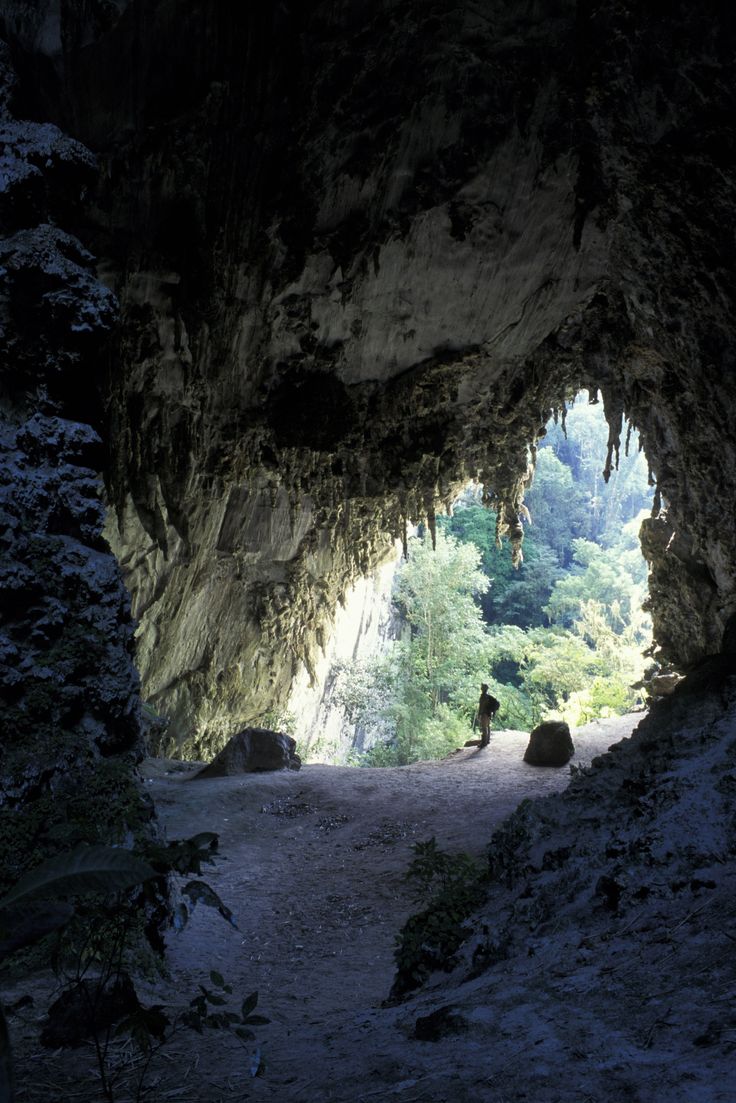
(561, 637)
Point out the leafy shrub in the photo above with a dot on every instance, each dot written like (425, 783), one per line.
(101, 900)
(455, 885)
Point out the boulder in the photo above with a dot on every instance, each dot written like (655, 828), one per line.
(251, 751)
(661, 685)
(550, 744)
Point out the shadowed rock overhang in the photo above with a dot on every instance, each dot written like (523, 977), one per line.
(361, 252)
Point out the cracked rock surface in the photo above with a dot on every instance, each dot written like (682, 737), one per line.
(362, 253)
(69, 691)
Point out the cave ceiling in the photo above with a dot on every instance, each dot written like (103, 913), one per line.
(360, 253)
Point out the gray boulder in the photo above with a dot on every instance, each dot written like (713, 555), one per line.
(550, 744)
(661, 685)
(251, 751)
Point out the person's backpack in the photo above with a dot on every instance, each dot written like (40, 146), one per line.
(495, 705)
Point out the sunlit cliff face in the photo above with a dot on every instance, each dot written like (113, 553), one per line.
(360, 253)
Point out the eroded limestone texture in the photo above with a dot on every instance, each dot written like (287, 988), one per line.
(366, 624)
(69, 693)
(362, 251)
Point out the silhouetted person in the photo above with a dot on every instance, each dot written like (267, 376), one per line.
(488, 706)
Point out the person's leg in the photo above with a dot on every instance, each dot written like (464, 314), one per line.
(485, 730)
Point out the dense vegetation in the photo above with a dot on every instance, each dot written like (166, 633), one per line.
(562, 636)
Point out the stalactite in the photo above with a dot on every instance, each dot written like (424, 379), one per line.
(657, 503)
(608, 468)
(500, 529)
(613, 407)
(432, 526)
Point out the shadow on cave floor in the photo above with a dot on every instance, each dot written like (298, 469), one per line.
(312, 864)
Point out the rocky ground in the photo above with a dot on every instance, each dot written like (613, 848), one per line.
(618, 1006)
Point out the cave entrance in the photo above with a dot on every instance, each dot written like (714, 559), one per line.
(563, 636)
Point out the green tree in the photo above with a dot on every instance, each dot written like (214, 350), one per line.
(602, 587)
(523, 600)
(473, 523)
(514, 596)
(583, 449)
(420, 699)
(435, 591)
(559, 509)
(562, 635)
(559, 663)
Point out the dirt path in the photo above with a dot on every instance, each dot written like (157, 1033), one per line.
(312, 865)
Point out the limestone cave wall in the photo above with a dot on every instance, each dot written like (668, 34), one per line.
(361, 252)
(69, 690)
(366, 624)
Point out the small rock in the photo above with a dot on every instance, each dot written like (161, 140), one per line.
(610, 890)
(286, 806)
(438, 1024)
(550, 744)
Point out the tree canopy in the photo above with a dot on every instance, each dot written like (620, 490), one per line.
(561, 636)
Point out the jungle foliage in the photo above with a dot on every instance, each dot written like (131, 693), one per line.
(93, 908)
(562, 636)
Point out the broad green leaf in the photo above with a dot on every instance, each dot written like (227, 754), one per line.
(23, 926)
(86, 869)
(201, 893)
(145, 1024)
(207, 839)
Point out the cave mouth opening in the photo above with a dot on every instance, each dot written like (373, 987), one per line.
(562, 636)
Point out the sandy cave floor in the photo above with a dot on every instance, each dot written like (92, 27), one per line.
(312, 864)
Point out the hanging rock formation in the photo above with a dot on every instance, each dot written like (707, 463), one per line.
(361, 252)
(350, 255)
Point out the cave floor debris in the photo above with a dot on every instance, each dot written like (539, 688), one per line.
(312, 864)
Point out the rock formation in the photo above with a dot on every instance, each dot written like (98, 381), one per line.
(366, 624)
(252, 751)
(69, 693)
(550, 744)
(349, 256)
(361, 253)
(599, 963)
